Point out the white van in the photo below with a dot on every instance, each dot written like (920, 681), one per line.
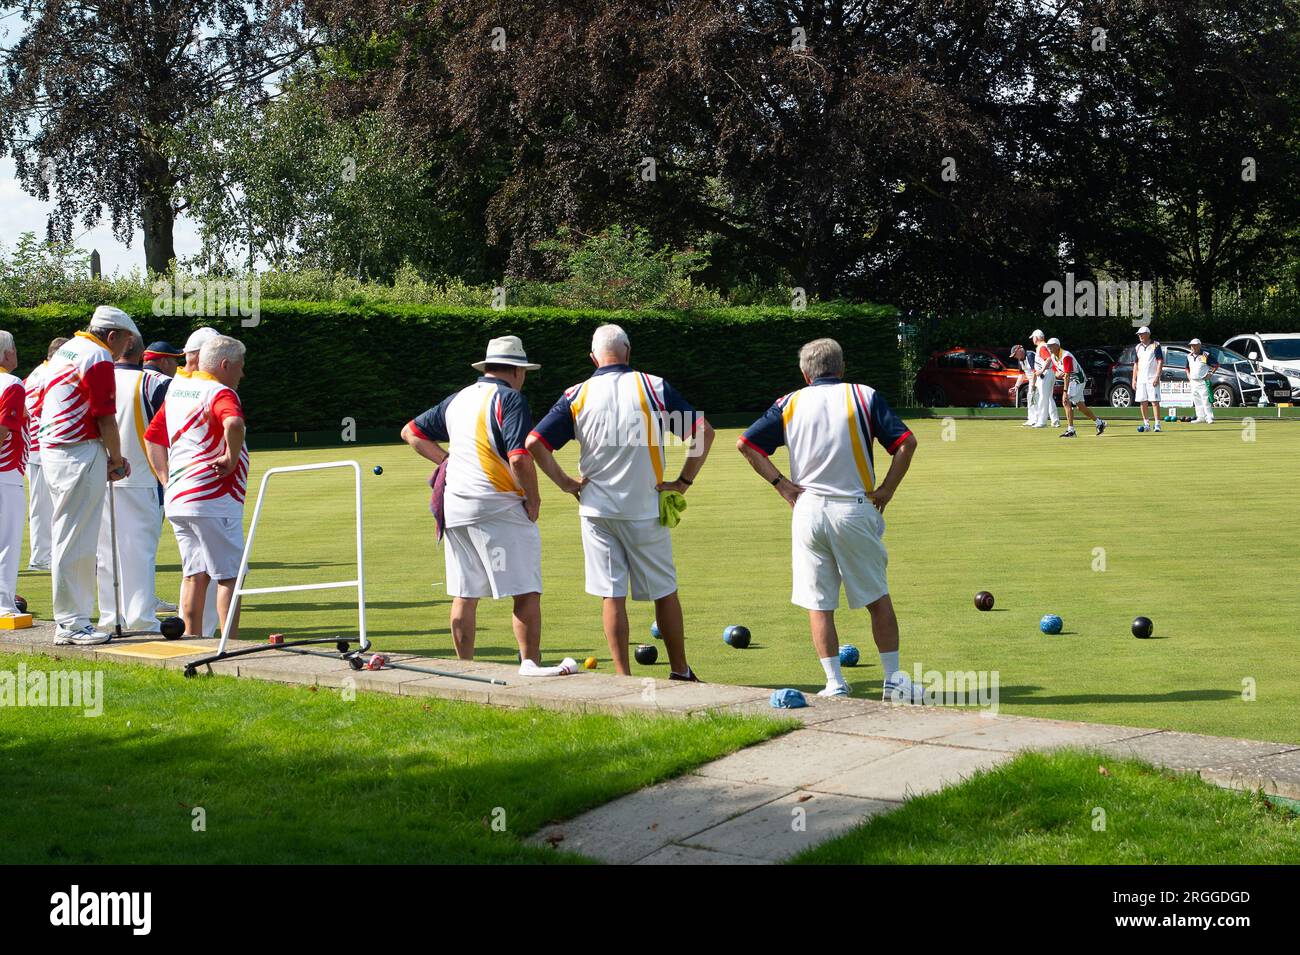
(1279, 351)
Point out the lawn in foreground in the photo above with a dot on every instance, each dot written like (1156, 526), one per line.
(284, 774)
(1042, 808)
(1195, 528)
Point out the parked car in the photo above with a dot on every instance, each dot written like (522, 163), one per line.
(1277, 352)
(1231, 374)
(966, 377)
(1097, 361)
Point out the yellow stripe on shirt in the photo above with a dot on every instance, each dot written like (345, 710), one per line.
(855, 435)
(651, 435)
(492, 465)
(788, 411)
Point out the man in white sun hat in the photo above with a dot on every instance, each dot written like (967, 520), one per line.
(80, 447)
(1148, 362)
(1044, 379)
(1198, 373)
(491, 501)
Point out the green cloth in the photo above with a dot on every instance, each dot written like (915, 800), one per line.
(671, 505)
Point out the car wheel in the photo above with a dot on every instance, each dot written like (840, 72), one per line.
(1121, 396)
(1223, 396)
(932, 396)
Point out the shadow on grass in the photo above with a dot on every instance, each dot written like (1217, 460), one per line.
(1030, 694)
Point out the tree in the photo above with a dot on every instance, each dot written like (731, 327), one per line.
(92, 94)
(810, 136)
(1176, 157)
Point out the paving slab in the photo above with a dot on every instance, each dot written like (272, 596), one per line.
(894, 721)
(800, 758)
(1191, 751)
(1278, 775)
(689, 855)
(634, 826)
(787, 826)
(921, 768)
(1016, 734)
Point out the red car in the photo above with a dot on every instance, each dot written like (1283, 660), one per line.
(965, 377)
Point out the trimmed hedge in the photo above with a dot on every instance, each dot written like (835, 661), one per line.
(312, 364)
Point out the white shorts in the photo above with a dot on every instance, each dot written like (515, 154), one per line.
(1147, 391)
(1075, 393)
(834, 541)
(209, 545)
(620, 553)
(498, 556)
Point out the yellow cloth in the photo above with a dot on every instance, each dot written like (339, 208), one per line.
(671, 505)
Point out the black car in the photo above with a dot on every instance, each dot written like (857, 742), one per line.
(1234, 378)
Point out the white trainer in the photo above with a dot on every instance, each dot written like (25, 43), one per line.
(899, 688)
(164, 606)
(836, 689)
(86, 636)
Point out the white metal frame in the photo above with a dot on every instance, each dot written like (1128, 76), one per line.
(359, 582)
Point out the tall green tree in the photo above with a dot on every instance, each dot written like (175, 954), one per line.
(92, 94)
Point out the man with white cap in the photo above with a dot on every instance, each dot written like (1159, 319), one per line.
(197, 440)
(13, 461)
(80, 447)
(1198, 373)
(1025, 362)
(198, 338)
(1044, 379)
(619, 417)
(136, 501)
(1149, 361)
(491, 541)
(1073, 379)
(38, 491)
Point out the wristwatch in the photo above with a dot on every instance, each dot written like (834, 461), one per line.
(777, 480)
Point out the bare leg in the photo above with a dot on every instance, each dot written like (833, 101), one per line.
(527, 623)
(826, 640)
(614, 615)
(225, 599)
(464, 625)
(884, 625)
(1069, 416)
(1087, 411)
(193, 590)
(672, 628)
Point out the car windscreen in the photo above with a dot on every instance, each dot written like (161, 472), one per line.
(1225, 356)
(1283, 349)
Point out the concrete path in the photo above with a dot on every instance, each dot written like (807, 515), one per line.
(849, 760)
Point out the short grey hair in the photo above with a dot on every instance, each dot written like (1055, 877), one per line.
(6, 341)
(610, 340)
(219, 349)
(822, 358)
(135, 348)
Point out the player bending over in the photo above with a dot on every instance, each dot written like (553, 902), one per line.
(1071, 373)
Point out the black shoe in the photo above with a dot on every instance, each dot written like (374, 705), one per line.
(1069, 434)
(689, 677)
(1101, 426)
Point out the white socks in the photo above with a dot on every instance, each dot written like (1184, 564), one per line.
(832, 667)
(889, 663)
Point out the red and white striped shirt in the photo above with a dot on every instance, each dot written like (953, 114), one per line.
(191, 423)
(79, 388)
(13, 415)
(35, 385)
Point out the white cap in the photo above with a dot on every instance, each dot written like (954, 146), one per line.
(1053, 341)
(199, 338)
(1144, 330)
(1038, 333)
(1194, 341)
(113, 319)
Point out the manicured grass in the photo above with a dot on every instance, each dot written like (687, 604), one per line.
(284, 774)
(1042, 808)
(1200, 531)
